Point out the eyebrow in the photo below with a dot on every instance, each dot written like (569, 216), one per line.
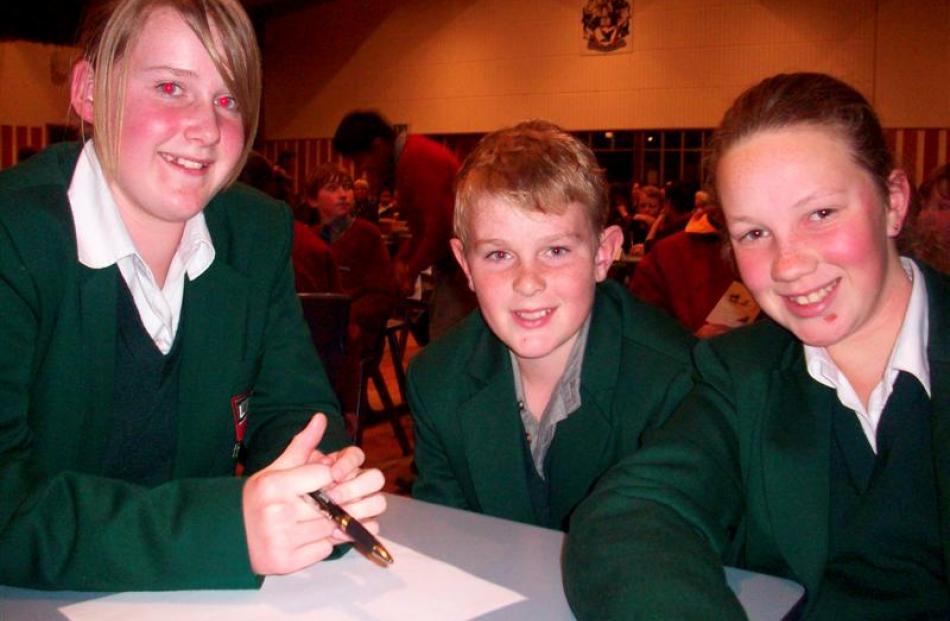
(170, 69)
(545, 240)
(819, 194)
(816, 195)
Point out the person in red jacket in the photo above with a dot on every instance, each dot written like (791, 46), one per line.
(424, 175)
(687, 273)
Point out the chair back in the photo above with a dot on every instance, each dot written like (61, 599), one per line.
(327, 316)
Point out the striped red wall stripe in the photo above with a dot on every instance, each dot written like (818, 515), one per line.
(6, 146)
(36, 138)
(920, 150)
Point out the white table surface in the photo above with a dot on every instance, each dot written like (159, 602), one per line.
(522, 558)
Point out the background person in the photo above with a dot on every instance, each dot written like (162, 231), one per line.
(423, 173)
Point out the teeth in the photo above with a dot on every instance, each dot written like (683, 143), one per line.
(189, 164)
(532, 315)
(815, 296)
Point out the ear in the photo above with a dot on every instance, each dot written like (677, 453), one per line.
(459, 251)
(81, 90)
(611, 241)
(898, 190)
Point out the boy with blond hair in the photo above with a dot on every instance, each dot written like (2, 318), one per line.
(521, 408)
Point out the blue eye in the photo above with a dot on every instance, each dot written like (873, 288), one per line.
(496, 255)
(558, 251)
(753, 235)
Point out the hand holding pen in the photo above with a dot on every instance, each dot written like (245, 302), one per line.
(285, 531)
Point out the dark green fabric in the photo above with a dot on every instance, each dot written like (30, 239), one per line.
(140, 441)
(538, 491)
(469, 434)
(740, 474)
(61, 525)
(884, 533)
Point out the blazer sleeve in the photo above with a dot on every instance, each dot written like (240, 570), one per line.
(649, 541)
(436, 480)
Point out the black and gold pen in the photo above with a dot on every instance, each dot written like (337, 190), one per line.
(364, 540)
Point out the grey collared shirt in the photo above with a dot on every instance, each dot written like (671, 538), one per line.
(565, 399)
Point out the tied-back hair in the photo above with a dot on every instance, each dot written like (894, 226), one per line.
(111, 27)
(535, 166)
(814, 99)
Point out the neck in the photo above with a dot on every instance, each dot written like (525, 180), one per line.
(539, 376)
(157, 245)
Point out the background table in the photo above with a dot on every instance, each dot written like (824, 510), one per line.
(523, 558)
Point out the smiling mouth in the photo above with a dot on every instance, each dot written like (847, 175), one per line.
(184, 162)
(533, 315)
(813, 297)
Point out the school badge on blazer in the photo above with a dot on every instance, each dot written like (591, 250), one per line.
(240, 405)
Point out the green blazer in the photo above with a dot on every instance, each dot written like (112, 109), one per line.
(470, 451)
(62, 524)
(739, 475)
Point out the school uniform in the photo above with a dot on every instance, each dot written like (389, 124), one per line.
(471, 450)
(242, 363)
(763, 467)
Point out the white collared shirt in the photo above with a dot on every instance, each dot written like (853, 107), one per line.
(909, 354)
(103, 240)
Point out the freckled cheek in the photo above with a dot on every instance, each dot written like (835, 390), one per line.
(755, 268)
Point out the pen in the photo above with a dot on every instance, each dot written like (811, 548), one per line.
(364, 540)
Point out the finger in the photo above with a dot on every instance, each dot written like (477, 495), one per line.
(318, 527)
(316, 457)
(345, 461)
(301, 446)
(308, 554)
(366, 483)
(367, 508)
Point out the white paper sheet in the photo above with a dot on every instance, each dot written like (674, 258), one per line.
(415, 587)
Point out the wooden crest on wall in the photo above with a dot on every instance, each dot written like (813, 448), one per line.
(606, 24)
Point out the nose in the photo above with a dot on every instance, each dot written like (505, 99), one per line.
(529, 280)
(792, 262)
(203, 124)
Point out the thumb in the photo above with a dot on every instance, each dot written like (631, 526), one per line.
(302, 445)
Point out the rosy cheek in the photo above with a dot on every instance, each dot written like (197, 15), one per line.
(754, 268)
(850, 247)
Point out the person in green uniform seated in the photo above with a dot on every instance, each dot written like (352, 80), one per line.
(153, 344)
(520, 409)
(814, 445)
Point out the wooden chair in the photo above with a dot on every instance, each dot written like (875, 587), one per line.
(370, 372)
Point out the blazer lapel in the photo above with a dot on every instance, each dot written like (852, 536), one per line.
(214, 314)
(796, 462)
(584, 444)
(97, 303)
(492, 434)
